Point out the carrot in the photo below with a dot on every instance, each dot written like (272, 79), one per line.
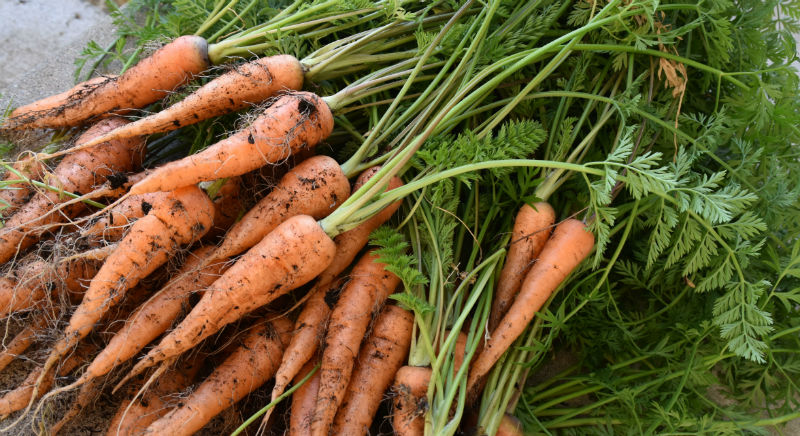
(310, 323)
(290, 256)
(304, 400)
(64, 98)
(410, 400)
(154, 316)
(148, 81)
(147, 246)
(246, 84)
(361, 299)
(315, 187)
(378, 361)
(509, 426)
(24, 339)
(531, 230)
(14, 195)
(88, 393)
(228, 207)
(35, 281)
(27, 391)
(293, 122)
(246, 369)
(77, 173)
(566, 248)
(112, 224)
(134, 414)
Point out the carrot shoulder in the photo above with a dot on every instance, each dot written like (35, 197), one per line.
(382, 355)
(246, 369)
(290, 256)
(315, 187)
(531, 230)
(148, 81)
(569, 245)
(295, 121)
(410, 390)
(360, 301)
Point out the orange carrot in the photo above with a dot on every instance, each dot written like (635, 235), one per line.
(315, 187)
(304, 399)
(155, 316)
(112, 224)
(531, 230)
(310, 324)
(14, 195)
(228, 207)
(26, 337)
(410, 400)
(150, 80)
(295, 121)
(77, 173)
(361, 299)
(246, 84)
(566, 248)
(148, 245)
(246, 369)
(290, 256)
(64, 98)
(26, 392)
(134, 415)
(38, 280)
(381, 356)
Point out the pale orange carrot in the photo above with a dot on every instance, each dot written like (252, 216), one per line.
(360, 301)
(569, 245)
(148, 81)
(244, 85)
(295, 121)
(77, 173)
(288, 257)
(380, 357)
(531, 229)
(112, 224)
(246, 369)
(37, 326)
(509, 426)
(410, 402)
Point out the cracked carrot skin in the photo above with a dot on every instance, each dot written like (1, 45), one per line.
(77, 173)
(294, 122)
(245, 370)
(150, 80)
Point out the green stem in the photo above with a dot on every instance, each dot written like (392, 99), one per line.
(215, 16)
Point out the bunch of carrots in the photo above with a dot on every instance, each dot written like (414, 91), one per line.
(257, 262)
